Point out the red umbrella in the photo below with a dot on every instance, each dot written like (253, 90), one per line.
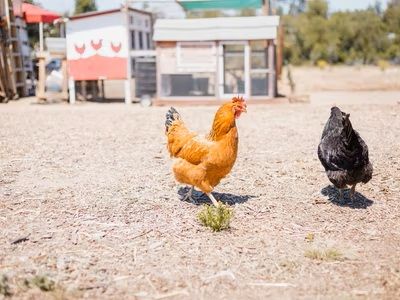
(36, 14)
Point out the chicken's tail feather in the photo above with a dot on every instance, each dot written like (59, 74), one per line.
(170, 117)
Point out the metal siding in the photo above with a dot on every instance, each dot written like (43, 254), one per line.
(212, 29)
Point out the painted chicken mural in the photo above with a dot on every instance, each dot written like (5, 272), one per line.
(100, 53)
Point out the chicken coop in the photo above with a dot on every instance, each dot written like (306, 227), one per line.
(212, 59)
(113, 47)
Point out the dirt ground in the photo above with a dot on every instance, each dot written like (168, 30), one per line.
(88, 200)
(342, 78)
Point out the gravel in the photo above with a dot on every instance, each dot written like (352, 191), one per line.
(88, 200)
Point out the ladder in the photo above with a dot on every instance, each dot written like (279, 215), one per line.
(15, 47)
(6, 81)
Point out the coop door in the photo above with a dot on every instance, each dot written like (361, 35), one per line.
(234, 74)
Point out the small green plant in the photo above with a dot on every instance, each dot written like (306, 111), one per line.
(324, 255)
(309, 237)
(216, 217)
(4, 286)
(42, 282)
(383, 65)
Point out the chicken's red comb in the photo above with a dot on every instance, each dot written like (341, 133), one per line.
(238, 99)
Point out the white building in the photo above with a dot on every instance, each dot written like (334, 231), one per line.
(106, 45)
(209, 60)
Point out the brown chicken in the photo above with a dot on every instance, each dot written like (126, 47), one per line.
(203, 161)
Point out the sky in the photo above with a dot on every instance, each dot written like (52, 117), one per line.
(173, 10)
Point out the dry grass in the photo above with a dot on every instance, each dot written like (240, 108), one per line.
(88, 194)
(310, 237)
(342, 78)
(324, 255)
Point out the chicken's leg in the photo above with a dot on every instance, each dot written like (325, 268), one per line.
(189, 195)
(212, 199)
(352, 191)
(341, 195)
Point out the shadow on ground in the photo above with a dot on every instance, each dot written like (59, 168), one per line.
(359, 201)
(201, 198)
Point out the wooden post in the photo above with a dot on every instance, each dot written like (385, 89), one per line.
(72, 94)
(41, 89)
(279, 52)
(103, 94)
(84, 89)
(266, 8)
(271, 66)
(41, 44)
(64, 91)
(128, 96)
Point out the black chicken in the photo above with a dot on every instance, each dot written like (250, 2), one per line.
(343, 153)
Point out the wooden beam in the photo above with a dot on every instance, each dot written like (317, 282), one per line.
(41, 88)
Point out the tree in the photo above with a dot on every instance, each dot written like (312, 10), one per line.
(82, 6)
(317, 8)
(247, 12)
(391, 18)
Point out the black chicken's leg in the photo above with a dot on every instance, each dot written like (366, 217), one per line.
(352, 191)
(341, 195)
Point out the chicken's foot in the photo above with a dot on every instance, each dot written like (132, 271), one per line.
(189, 195)
(214, 201)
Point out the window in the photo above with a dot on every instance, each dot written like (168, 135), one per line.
(131, 20)
(196, 56)
(140, 40)
(133, 39)
(193, 84)
(234, 69)
(259, 72)
(148, 40)
(259, 56)
(259, 84)
(133, 67)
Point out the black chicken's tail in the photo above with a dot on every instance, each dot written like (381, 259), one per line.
(171, 116)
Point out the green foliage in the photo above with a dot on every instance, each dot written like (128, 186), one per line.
(217, 218)
(4, 286)
(82, 6)
(42, 282)
(360, 36)
(205, 14)
(383, 64)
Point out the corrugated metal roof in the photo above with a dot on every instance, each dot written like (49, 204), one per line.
(216, 29)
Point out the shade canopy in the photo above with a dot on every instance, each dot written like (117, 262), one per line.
(219, 4)
(36, 14)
